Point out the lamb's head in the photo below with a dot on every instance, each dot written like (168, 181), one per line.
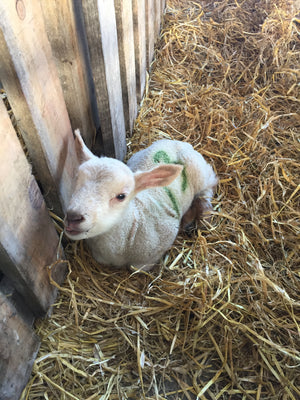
(103, 190)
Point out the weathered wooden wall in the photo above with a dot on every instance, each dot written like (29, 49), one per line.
(63, 65)
(18, 343)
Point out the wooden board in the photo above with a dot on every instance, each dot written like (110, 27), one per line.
(100, 24)
(29, 76)
(68, 50)
(150, 31)
(158, 16)
(18, 349)
(28, 240)
(139, 22)
(28, 128)
(127, 61)
(8, 289)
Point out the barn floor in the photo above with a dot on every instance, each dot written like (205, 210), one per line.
(219, 318)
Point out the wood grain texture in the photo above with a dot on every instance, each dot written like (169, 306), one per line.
(67, 48)
(150, 31)
(158, 15)
(139, 22)
(18, 349)
(127, 60)
(8, 289)
(26, 54)
(28, 240)
(100, 25)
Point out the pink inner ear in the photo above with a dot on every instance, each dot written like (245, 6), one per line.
(159, 176)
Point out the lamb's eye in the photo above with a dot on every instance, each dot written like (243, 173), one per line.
(121, 196)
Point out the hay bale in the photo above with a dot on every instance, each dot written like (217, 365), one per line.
(219, 319)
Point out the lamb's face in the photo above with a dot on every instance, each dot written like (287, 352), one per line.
(103, 190)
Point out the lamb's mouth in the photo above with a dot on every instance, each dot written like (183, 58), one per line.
(73, 232)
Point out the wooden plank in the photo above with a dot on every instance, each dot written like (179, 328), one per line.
(8, 289)
(100, 24)
(150, 31)
(157, 17)
(37, 100)
(28, 240)
(67, 48)
(27, 127)
(127, 61)
(18, 349)
(139, 21)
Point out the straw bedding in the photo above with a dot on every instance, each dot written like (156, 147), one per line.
(219, 318)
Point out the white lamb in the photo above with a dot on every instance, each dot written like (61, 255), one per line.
(130, 214)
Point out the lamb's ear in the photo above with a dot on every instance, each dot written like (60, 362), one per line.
(159, 176)
(82, 151)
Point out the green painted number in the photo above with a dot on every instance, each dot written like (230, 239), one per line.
(162, 156)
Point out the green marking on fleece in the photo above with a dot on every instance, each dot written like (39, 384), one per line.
(162, 156)
(173, 200)
(184, 183)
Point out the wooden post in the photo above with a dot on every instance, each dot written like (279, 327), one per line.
(158, 14)
(100, 25)
(18, 349)
(127, 61)
(29, 76)
(68, 50)
(150, 31)
(28, 240)
(139, 21)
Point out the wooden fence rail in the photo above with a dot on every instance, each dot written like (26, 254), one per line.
(63, 65)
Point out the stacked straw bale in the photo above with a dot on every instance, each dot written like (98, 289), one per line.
(219, 319)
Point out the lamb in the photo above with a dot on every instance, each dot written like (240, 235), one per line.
(131, 214)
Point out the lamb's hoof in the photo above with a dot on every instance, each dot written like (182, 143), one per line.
(190, 228)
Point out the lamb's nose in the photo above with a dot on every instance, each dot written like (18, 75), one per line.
(73, 218)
